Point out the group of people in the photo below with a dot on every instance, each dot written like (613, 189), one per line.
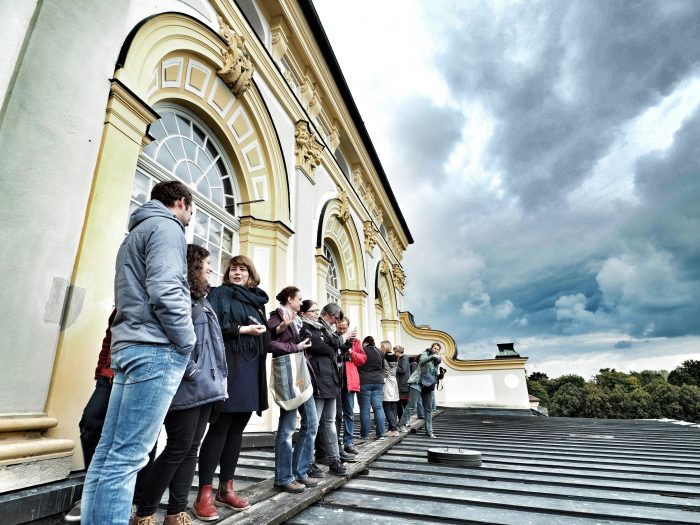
(188, 356)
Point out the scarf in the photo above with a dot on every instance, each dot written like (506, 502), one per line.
(313, 324)
(233, 305)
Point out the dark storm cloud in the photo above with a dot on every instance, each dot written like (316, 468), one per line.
(560, 78)
(426, 132)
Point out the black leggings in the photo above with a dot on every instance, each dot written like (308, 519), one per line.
(174, 467)
(222, 446)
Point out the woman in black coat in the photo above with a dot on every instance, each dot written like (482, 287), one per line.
(325, 377)
(240, 306)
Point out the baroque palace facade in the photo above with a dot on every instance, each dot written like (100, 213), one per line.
(243, 101)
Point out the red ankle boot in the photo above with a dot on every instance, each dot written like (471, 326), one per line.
(204, 507)
(228, 498)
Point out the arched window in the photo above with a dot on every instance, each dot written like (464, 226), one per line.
(332, 277)
(185, 149)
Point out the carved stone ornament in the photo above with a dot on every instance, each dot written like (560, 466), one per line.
(371, 203)
(399, 277)
(344, 213)
(334, 137)
(238, 68)
(395, 243)
(307, 149)
(370, 236)
(385, 265)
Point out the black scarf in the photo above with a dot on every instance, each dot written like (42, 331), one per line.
(233, 304)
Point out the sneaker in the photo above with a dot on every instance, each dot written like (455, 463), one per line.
(347, 458)
(350, 449)
(293, 487)
(316, 472)
(381, 438)
(392, 433)
(309, 482)
(338, 468)
(403, 429)
(73, 515)
(432, 436)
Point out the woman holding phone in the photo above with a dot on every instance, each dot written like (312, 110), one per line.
(292, 463)
(240, 307)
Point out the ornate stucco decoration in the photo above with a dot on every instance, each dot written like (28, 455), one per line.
(344, 213)
(307, 149)
(238, 68)
(334, 137)
(384, 265)
(370, 236)
(395, 243)
(399, 277)
(372, 206)
(315, 105)
(280, 38)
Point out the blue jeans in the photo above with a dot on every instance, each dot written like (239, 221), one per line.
(348, 417)
(371, 395)
(294, 464)
(327, 435)
(146, 378)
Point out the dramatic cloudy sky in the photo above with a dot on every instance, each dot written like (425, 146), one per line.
(546, 158)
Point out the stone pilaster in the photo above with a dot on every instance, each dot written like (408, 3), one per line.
(124, 133)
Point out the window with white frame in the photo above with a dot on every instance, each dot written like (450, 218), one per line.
(332, 277)
(185, 149)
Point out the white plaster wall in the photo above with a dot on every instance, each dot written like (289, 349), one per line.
(49, 142)
(14, 27)
(495, 388)
(484, 388)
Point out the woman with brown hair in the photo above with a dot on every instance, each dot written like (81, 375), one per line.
(292, 461)
(240, 306)
(203, 384)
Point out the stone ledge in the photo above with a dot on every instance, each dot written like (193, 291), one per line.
(34, 471)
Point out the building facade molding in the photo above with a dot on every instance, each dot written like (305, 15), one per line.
(238, 68)
(307, 149)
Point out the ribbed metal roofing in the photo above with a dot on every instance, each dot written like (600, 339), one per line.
(535, 471)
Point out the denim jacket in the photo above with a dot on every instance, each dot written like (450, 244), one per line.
(205, 377)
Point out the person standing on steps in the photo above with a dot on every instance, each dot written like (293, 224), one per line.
(240, 306)
(152, 338)
(428, 363)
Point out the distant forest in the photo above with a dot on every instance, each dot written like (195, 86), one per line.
(611, 394)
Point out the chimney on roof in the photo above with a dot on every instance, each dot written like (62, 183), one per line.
(506, 350)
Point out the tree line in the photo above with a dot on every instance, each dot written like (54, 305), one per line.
(610, 394)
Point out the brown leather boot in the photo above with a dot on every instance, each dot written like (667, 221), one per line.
(204, 506)
(181, 518)
(228, 498)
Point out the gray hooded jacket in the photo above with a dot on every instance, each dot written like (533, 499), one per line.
(151, 294)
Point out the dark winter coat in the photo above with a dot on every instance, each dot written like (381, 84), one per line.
(403, 372)
(322, 353)
(372, 372)
(233, 304)
(205, 377)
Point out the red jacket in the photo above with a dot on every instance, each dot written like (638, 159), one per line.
(357, 358)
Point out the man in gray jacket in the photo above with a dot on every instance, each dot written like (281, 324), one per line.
(152, 337)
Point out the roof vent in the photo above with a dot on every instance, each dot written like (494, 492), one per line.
(506, 350)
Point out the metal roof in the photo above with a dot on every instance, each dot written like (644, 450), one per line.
(535, 471)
